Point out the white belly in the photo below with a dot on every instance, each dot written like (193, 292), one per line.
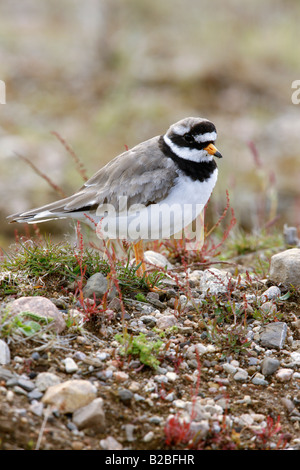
(183, 204)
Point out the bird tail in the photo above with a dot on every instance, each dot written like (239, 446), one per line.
(54, 210)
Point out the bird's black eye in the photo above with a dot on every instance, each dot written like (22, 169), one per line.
(188, 138)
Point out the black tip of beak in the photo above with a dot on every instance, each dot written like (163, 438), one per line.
(218, 154)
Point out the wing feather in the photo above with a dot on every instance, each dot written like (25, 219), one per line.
(143, 175)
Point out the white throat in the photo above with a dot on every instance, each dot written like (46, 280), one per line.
(193, 155)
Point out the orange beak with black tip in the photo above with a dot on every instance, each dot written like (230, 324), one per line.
(212, 150)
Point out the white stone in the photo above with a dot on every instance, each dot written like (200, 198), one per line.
(166, 321)
(148, 437)
(70, 365)
(171, 376)
(270, 294)
(110, 443)
(285, 267)
(241, 375)
(180, 403)
(229, 368)
(214, 281)
(284, 374)
(295, 356)
(70, 395)
(246, 419)
(4, 353)
(195, 349)
(156, 259)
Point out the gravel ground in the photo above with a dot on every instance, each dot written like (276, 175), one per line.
(214, 365)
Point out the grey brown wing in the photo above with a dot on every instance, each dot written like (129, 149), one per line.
(142, 175)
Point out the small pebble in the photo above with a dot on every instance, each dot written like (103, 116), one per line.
(110, 443)
(241, 375)
(259, 379)
(269, 365)
(271, 294)
(148, 437)
(284, 374)
(70, 365)
(125, 395)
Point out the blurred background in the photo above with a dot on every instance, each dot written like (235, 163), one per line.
(106, 74)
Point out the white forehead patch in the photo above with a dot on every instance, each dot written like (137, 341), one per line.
(180, 129)
(208, 136)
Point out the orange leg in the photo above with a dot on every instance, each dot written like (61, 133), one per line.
(139, 257)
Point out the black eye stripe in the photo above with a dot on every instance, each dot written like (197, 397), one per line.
(182, 141)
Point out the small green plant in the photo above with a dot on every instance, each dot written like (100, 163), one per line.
(47, 259)
(140, 346)
(229, 338)
(24, 324)
(140, 297)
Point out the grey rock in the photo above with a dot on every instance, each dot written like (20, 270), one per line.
(271, 294)
(115, 304)
(4, 353)
(146, 309)
(259, 379)
(215, 281)
(6, 374)
(274, 335)
(166, 321)
(156, 420)
(35, 356)
(90, 416)
(269, 365)
(285, 267)
(19, 390)
(138, 397)
(45, 380)
(290, 235)
(153, 298)
(125, 395)
(26, 384)
(80, 356)
(229, 368)
(148, 320)
(35, 394)
(97, 285)
(289, 405)
(12, 381)
(37, 408)
(241, 375)
(42, 307)
(129, 430)
(268, 308)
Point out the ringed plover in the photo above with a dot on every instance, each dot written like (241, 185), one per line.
(176, 169)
